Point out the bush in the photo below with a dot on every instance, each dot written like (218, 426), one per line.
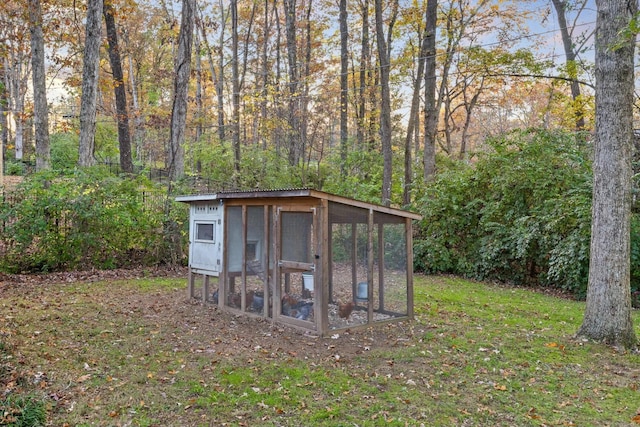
(64, 151)
(521, 214)
(259, 168)
(89, 220)
(14, 168)
(362, 179)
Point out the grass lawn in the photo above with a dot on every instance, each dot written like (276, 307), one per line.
(135, 352)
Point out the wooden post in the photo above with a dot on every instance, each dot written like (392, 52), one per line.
(354, 259)
(190, 284)
(205, 288)
(265, 261)
(380, 266)
(409, 242)
(277, 275)
(370, 267)
(323, 261)
(243, 274)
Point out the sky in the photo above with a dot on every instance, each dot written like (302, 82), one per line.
(546, 34)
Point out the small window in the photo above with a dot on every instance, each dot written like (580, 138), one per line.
(205, 232)
(252, 250)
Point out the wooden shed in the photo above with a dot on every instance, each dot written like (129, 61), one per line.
(301, 257)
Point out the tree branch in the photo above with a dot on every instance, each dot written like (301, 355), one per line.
(542, 76)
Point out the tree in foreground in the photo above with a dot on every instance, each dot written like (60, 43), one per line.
(181, 91)
(90, 72)
(608, 313)
(40, 108)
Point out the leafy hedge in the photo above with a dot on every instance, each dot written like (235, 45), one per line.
(520, 214)
(89, 220)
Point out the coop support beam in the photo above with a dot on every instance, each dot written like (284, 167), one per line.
(370, 268)
(205, 288)
(191, 284)
(243, 285)
(265, 261)
(323, 261)
(380, 266)
(354, 259)
(409, 243)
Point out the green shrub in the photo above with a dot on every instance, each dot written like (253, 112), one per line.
(259, 168)
(14, 168)
(89, 220)
(520, 214)
(64, 151)
(362, 180)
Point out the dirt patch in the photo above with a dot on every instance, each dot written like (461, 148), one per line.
(239, 335)
(10, 182)
(97, 344)
(26, 282)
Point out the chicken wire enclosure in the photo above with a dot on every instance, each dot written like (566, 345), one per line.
(370, 270)
(302, 257)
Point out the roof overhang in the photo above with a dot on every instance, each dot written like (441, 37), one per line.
(300, 192)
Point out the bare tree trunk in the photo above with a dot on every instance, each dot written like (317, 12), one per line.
(119, 90)
(199, 102)
(412, 125)
(607, 316)
(90, 70)
(468, 109)
(138, 120)
(217, 75)
(219, 85)
(570, 55)
(385, 100)
(430, 111)
(365, 58)
(305, 79)
(18, 88)
(4, 128)
(40, 107)
(235, 83)
(181, 91)
(344, 85)
(264, 70)
(277, 134)
(294, 82)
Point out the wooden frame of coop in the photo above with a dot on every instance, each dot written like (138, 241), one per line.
(301, 257)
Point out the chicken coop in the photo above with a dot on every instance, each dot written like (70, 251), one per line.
(301, 257)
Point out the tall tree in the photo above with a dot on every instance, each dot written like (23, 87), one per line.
(217, 74)
(608, 313)
(40, 107)
(384, 44)
(264, 70)
(16, 54)
(294, 81)
(344, 84)
(119, 90)
(431, 111)
(413, 123)
(4, 126)
(365, 58)
(181, 90)
(235, 84)
(90, 70)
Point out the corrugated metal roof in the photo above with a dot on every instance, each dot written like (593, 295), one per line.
(295, 192)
